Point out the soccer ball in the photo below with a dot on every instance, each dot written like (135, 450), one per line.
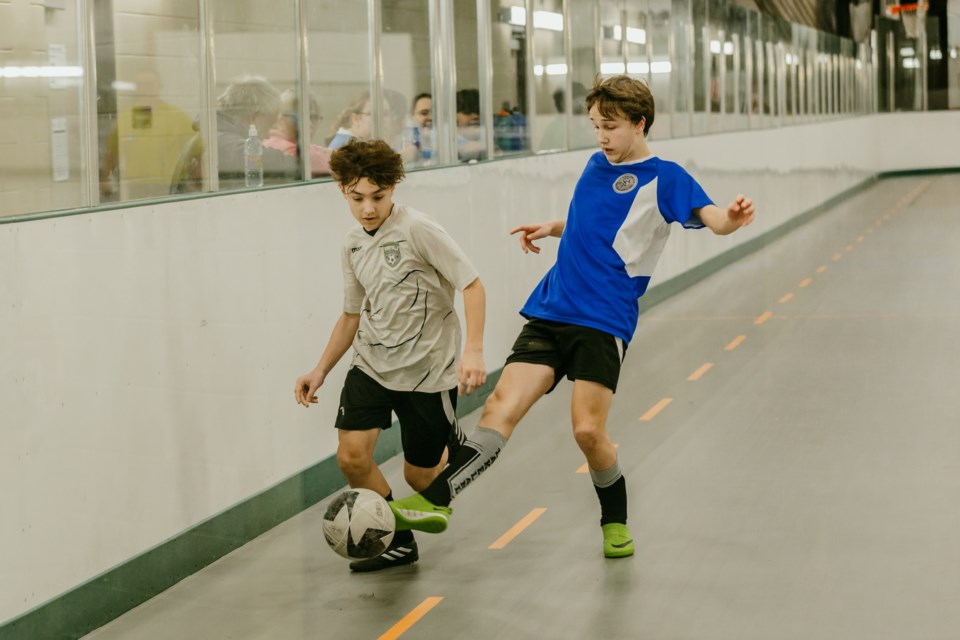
(359, 524)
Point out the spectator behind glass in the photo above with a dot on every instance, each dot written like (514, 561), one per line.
(582, 133)
(144, 143)
(354, 123)
(248, 100)
(423, 110)
(419, 129)
(470, 136)
(394, 123)
(284, 135)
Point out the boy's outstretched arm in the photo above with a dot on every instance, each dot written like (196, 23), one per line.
(740, 213)
(305, 389)
(471, 371)
(531, 232)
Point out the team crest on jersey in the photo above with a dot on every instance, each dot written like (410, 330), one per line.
(391, 253)
(625, 183)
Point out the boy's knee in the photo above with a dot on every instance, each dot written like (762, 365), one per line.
(588, 436)
(499, 408)
(353, 461)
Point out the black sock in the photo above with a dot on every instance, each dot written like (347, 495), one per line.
(612, 491)
(475, 455)
(613, 502)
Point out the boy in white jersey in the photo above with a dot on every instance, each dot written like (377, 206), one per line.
(400, 272)
(583, 313)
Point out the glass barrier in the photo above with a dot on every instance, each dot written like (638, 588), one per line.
(148, 105)
(511, 47)
(42, 124)
(407, 121)
(340, 77)
(470, 123)
(196, 96)
(547, 130)
(584, 64)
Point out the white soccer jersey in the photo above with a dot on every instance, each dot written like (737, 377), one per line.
(401, 281)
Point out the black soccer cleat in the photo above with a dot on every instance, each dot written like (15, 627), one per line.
(396, 555)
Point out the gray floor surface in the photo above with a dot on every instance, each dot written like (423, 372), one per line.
(806, 486)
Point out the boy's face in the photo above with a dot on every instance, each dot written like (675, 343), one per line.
(423, 112)
(619, 139)
(369, 204)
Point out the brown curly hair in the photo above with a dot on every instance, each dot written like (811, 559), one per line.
(622, 96)
(370, 159)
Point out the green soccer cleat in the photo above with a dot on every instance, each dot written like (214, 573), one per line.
(617, 541)
(416, 512)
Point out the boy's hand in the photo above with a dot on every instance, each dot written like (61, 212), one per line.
(471, 372)
(305, 389)
(741, 211)
(530, 232)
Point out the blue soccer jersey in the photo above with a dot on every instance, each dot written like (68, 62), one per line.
(617, 225)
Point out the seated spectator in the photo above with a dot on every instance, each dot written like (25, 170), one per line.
(250, 100)
(419, 129)
(144, 143)
(284, 136)
(581, 130)
(471, 142)
(353, 123)
(423, 111)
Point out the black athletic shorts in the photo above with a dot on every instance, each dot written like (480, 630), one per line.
(579, 353)
(428, 421)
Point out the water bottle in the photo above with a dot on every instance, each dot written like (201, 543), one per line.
(253, 159)
(426, 144)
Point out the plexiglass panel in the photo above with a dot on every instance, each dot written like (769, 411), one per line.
(548, 129)
(511, 95)
(149, 96)
(407, 122)
(256, 70)
(682, 67)
(659, 36)
(612, 43)
(42, 70)
(471, 143)
(584, 32)
(180, 82)
(338, 47)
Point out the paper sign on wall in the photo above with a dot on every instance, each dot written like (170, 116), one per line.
(59, 149)
(57, 57)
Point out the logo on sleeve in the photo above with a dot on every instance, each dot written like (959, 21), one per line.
(391, 253)
(625, 183)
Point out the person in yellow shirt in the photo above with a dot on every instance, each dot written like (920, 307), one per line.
(144, 143)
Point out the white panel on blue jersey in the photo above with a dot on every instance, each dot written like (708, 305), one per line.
(643, 234)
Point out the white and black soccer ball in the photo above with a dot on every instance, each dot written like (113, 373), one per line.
(359, 524)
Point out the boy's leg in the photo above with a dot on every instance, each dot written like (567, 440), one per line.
(403, 548)
(521, 384)
(419, 478)
(363, 402)
(426, 422)
(402, 551)
(590, 407)
(355, 459)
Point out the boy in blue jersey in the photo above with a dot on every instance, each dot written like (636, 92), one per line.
(583, 313)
